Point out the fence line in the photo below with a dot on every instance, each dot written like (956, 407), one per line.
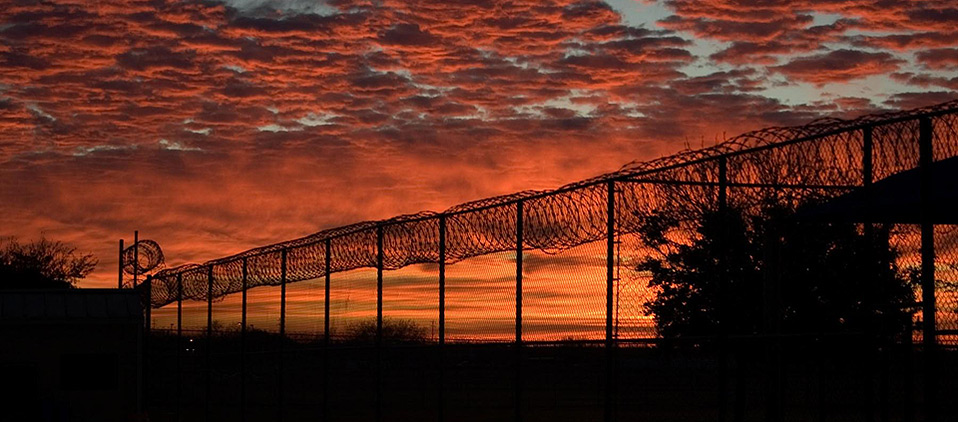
(574, 214)
(788, 165)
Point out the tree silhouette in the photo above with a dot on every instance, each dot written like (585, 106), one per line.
(818, 277)
(43, 264)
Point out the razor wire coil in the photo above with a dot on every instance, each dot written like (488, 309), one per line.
(825, 157)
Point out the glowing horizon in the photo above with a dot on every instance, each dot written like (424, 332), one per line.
(560, 302)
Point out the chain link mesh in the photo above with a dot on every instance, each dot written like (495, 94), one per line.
(790, 165)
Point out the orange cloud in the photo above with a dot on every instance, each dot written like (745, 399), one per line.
(214, 128)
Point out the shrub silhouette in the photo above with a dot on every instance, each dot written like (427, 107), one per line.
(395, 331)
(829, 277)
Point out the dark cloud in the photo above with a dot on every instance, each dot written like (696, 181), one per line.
(732, 30)
(919, 99)
(939, 58)
(767, 31)
(926, 81)
(155, 57)
(239, 88)
(18, 59)
(908, 41)
(839, 66)
(408, 34)
(936, 16)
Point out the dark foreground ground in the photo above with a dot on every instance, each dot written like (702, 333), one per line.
(805, 379)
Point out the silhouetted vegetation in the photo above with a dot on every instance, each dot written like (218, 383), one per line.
(817, 277)
(43, 264)
(395, 330)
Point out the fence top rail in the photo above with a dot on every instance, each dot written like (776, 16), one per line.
(746, 143)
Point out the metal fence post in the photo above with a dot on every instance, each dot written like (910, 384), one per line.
(119, 281)
(379, 323)
(326, 333)
(282, 336)
(518, 346)
(610, 381)
(908, 375)
(772, 324)
(723, 293)
(928, 309)
(442, 316)
(148, 310)
(209, 341)
(179, 347)
(147, 332)
(136, 256)
(867, 147)
(243, 341)
(871, 345)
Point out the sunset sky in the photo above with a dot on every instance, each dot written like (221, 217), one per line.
(217, 126)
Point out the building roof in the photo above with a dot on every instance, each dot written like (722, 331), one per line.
(897, 199)
(88, 305)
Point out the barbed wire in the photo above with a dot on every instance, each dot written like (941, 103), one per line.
(142, 257)
(823, 158)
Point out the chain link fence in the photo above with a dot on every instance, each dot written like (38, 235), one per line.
(577, 304)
